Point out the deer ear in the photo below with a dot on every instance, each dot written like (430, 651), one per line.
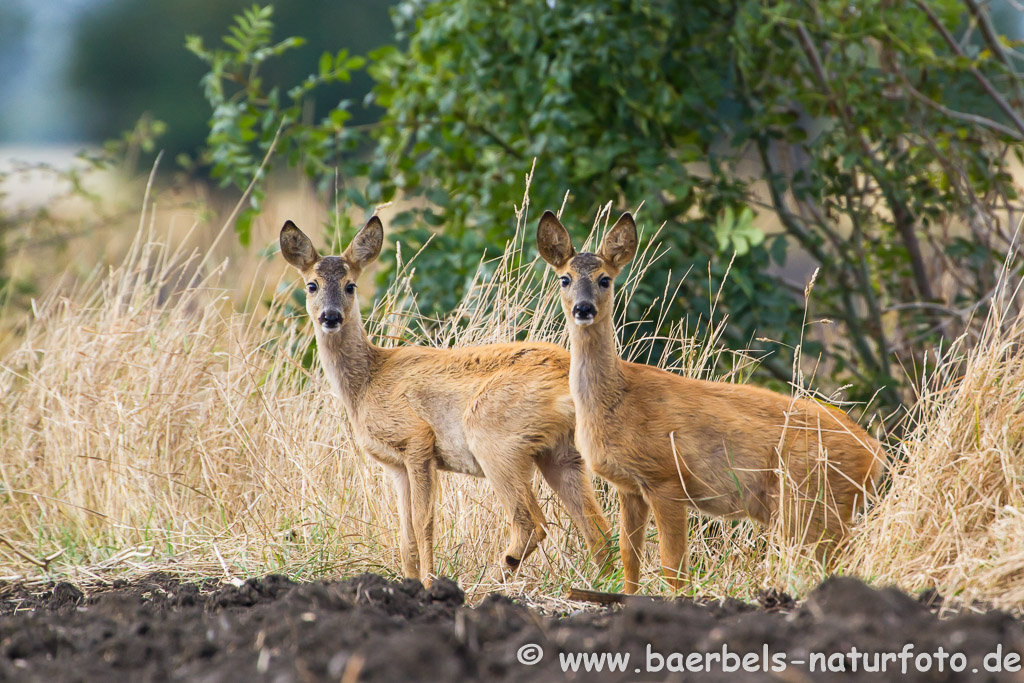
(296, 248)
(619, 246)
(553, 241)
(366, 245)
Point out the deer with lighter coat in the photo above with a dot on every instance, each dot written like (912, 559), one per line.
(497, 411)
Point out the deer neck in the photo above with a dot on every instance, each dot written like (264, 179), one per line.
(348, 359)
(595, 378)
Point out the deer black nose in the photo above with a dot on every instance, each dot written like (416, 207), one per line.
(330, 317)
(584, 310)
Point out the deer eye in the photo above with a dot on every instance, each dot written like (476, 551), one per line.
(565, 280)
(605, 282)
(350, 288)
(311, 287)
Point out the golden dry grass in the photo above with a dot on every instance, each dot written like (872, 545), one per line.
(953, 518)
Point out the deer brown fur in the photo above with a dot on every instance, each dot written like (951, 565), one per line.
(493, 411)
(668, 442)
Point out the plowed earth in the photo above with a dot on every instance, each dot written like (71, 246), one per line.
(367, 628)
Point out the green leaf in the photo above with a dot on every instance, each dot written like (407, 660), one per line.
(243, 226)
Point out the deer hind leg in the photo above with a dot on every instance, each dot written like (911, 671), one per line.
(815, 509)
(510, 477)
(567, 475)
(830, 525)
(422, 472)
(808, 524)
(634, 516)
(671, 518)
(407, 535)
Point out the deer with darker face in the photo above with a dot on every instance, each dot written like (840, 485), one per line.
(668, 443)
(498, 411)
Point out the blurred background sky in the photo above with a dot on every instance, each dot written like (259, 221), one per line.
(76, 72)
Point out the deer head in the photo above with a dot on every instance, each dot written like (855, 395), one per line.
(586, 279)
(331, 280)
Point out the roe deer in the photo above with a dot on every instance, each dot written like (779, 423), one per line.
(490, 411)
(667, 442)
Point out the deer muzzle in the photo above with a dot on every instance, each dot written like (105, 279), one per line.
(583, 313)
(330, 319)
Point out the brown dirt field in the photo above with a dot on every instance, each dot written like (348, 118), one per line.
(366, 628)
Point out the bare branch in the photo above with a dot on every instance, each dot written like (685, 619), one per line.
(978, 76)
(975, 119)
(988, 32)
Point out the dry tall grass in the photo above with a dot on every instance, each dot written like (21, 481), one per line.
(144, 432)
(953, 518)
